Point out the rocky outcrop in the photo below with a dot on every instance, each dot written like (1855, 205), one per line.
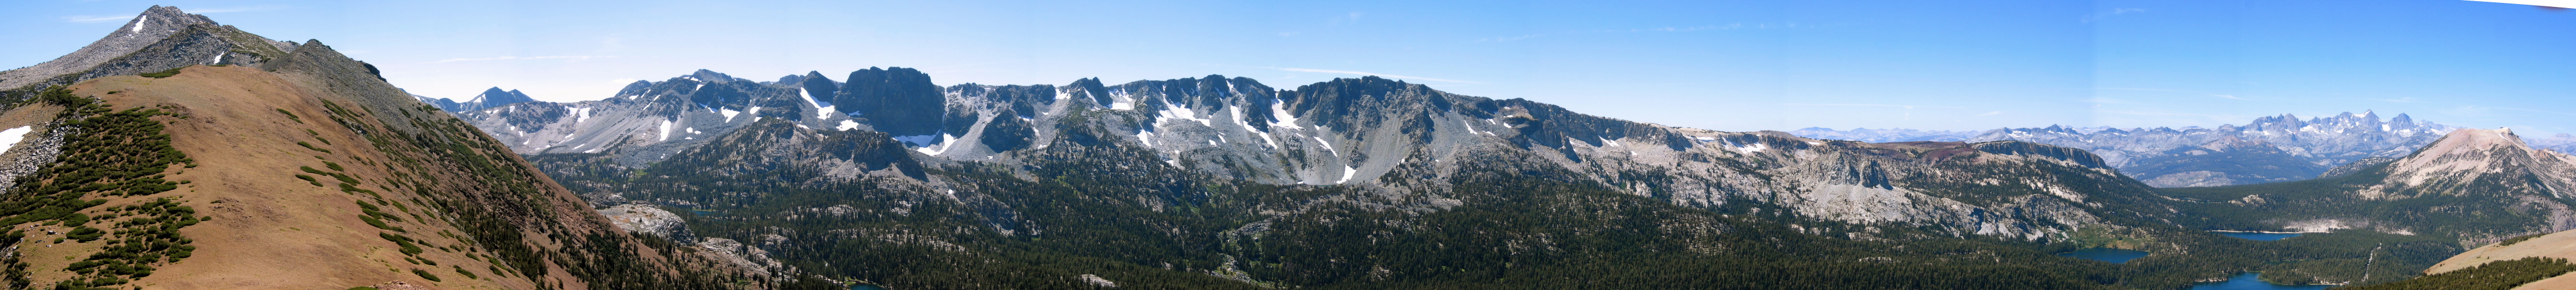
(651, 220)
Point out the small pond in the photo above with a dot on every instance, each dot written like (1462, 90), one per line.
(2115, 256)
(2252, 281)
(866, 287)
(701, 212)
(2258, 236)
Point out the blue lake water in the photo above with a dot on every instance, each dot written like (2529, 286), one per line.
(701, 212)
(2251, 281)
(2259, 236)
(2115, 256)
(866, 287)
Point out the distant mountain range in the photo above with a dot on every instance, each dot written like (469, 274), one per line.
(1885, 135)
(2268, 149)
(492, 97)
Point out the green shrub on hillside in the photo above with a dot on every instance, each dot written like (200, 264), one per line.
(163, 74)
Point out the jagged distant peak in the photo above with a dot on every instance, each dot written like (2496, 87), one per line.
(705, 75)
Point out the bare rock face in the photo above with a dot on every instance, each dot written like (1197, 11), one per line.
(1095, 280)
(740, 257)
(899, 101)
(651, 220)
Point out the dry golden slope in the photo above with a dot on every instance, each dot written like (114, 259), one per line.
(482, 218)
(2555, 245)
(270, 229)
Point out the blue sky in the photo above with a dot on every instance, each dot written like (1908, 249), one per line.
(1724, 65)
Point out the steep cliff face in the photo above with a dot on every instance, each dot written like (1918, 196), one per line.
(899, 101)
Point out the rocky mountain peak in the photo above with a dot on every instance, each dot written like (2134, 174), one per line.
(2481, 161)
(160, 38)
(896, 100)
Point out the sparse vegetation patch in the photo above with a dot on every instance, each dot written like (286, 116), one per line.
(108, 153)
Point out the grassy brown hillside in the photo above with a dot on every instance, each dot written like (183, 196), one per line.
(2560, 245)
(301, 175)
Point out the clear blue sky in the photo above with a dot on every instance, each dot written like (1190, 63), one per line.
(1725, 65)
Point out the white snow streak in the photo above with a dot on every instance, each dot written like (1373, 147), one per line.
(847, 125)
(1279, 112)
(1328, 146)
(1347, 173)
(1120, 100)
(729, 113)
(1247, 125)
(824, 109)
(946, 141)
(138, 23)
(1177, 112)
(666, 131)
(10, 137)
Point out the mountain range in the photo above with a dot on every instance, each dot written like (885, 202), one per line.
(492, 97)
(2269, 149)
(188, 173)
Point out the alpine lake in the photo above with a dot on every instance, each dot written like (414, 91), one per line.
(2242, 281)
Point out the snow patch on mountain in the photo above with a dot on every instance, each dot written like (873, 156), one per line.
(9, 138)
